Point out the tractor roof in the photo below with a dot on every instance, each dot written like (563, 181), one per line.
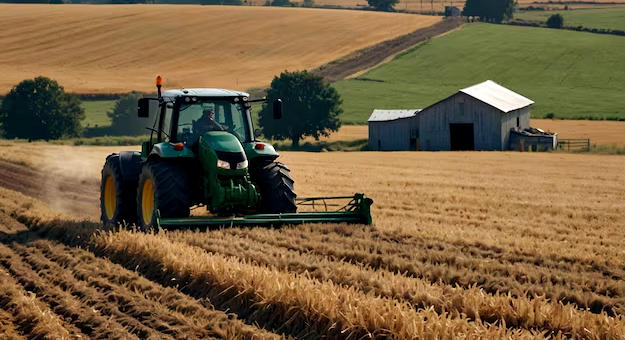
(204, 92)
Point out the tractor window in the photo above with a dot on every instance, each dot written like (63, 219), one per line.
(167, 122)
(194, 119)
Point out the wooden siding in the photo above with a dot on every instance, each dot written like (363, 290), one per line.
(393, 135)
(434, 123)
(508, 121)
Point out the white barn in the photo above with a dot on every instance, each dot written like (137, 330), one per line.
(475, 118)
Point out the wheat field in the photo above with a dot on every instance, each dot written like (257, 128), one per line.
(111, 48)
(464, 244)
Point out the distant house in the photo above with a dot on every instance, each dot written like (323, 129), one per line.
(452, 11)
(479, 117)
(393, 130)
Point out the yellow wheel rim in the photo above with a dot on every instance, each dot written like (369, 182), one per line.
(147, 201)
(110, 197)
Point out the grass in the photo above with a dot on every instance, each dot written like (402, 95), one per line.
(612, 18)
(118, 49)
(567, 73)
(95, 112)
(457, 248)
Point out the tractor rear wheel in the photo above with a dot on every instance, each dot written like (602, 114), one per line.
(163, 186)
(275, 185)
(117, 201)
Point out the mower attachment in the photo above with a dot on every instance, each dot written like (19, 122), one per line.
(356, 211)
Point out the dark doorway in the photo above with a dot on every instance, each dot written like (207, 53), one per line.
(461, 136)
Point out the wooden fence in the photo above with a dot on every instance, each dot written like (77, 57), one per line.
(574, 144)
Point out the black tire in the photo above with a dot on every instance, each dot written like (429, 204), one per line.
(171, 192)
(123, 209)
(275, 185)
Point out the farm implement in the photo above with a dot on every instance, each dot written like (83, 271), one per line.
(203, 153)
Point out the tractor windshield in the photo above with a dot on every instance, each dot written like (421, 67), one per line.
(212, 115)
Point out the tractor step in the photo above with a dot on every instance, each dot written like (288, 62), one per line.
(356, 211)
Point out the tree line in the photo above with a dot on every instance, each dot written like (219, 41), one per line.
(40, 109)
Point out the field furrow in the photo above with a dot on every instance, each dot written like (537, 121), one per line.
(436, 260)
(471, 301)
(25, 316)
(69, 301)
(165, 308)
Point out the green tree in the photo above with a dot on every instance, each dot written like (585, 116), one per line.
(383, 5)
(41, 109)
(311, 107)
(490, 10)
(124, 118)
(555, 21)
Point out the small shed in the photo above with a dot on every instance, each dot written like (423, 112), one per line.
(393, 130)
(479, 117)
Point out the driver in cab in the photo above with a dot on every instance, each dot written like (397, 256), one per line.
(207, 123)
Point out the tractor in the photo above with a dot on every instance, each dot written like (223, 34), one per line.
(204, 152)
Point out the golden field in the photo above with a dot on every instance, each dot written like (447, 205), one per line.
(464, 244)
(111, 48)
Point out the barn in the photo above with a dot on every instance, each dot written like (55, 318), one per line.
(479, 117)
(393, 130)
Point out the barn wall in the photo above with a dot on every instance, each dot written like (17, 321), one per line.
(434, 123)
(508, 121)
(393, 135)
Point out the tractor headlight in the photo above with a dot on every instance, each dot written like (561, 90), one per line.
(223, 164)
(242, 165)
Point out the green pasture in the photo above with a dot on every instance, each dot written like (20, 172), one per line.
(567, 73)
(95, 112)
(612, 18)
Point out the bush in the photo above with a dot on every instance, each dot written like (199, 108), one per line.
(550, 116)
(555, 21)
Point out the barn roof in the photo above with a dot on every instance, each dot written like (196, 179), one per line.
(388, 115)
(497, 96)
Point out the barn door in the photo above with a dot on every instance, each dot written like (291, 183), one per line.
(461, 137)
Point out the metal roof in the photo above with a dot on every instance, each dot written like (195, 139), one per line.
(497, 96)
(387, 115)
(204, 92)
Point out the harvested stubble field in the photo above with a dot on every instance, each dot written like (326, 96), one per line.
(112, 48)
(475, 245)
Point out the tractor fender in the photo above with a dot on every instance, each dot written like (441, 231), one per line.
(130, 164)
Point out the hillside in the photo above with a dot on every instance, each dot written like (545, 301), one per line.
(112, 48)
(568, 73)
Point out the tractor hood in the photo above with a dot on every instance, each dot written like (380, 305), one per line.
(222, 141)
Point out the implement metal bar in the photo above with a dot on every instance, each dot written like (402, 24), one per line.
(356, 211)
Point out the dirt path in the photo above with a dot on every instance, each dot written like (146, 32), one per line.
(370, 56)
(63, 194)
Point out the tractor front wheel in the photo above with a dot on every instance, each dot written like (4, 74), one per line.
(165, 187)
(275, 185)
(117, 203)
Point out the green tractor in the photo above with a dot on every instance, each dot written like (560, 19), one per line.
(203, 152)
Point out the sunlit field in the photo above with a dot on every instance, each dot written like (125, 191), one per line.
(112, 48)
(463, 244)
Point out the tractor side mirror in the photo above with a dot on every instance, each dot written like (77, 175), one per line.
(144, 108)
(277, 109)
(257, 133)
